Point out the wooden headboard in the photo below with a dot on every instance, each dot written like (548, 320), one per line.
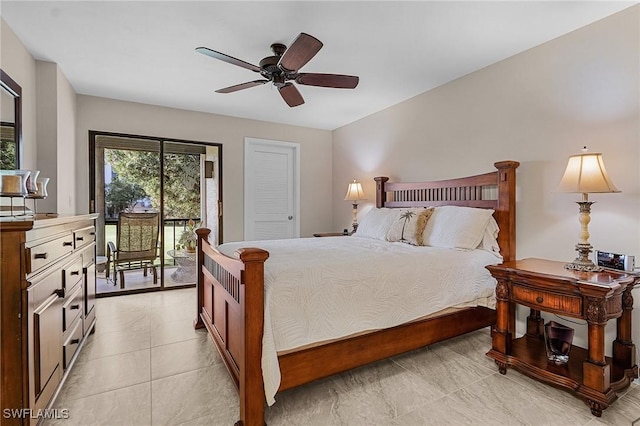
(495, 190)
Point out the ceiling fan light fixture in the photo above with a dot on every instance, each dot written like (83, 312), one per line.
(283, 67)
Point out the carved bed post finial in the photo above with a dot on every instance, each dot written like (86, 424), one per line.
(381, 194)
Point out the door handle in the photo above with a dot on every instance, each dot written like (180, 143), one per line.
(290, 217)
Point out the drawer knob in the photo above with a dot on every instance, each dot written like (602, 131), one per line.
(74, 341)
(67, 243)
(73, 307)
(74, 273)
(539, 299)
(40, 255)
(79, 238)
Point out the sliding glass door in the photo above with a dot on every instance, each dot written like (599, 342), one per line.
(151, 194)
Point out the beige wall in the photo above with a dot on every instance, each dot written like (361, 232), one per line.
(538, 108)
(126, 117)
(66, 153)
(56, 115)
(18, 63)
(48, 121)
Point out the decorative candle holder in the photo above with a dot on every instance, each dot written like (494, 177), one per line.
(41, 184)
(558, 339)
(32, 187)
(13, 183)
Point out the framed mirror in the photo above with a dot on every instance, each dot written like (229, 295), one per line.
(10, 122)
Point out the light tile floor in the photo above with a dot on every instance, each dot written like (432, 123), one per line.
(135, 280)
(146, 364)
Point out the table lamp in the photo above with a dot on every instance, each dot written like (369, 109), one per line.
(585, 174)
(355, 193)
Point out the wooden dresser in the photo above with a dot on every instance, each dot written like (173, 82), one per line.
(47, 297)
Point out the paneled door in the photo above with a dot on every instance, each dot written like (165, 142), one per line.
(271, 189)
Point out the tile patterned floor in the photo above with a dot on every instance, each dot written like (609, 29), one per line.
(146, 365)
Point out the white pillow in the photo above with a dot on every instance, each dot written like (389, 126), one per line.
(456, 227)
(490, 238)
(376, 223)
(409, 225)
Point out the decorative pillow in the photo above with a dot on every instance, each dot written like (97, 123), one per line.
(409, 225)
(456, 227)
(376, 223)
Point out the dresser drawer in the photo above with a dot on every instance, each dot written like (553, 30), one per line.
(547, 301)
(72, 273)
(42, 254)
(72, 343)
(84, 236)
(72, 308)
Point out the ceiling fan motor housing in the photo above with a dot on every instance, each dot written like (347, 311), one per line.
(269, 64)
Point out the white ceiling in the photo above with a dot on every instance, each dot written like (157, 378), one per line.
(144, 51)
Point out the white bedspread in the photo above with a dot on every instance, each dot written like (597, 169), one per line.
(319, 289)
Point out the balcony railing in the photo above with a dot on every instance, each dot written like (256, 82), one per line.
(172, 229)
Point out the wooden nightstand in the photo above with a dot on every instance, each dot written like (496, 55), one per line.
(330, 234)
(596, 297)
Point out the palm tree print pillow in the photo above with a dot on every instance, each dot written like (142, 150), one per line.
(409, 226)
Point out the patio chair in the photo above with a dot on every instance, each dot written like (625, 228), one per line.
(136, 245)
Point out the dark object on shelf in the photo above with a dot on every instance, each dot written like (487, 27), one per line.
(558, 340)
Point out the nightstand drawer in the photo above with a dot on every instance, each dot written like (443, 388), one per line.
(546, 301)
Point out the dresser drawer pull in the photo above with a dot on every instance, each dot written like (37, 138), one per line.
(74, 341)
(74, 273)
(539, 299)
(92, 233)
(59, 292)
(67, 243)
(73, 307)
(79, 238)
(40, 255)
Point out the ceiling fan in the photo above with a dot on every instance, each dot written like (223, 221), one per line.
(283, 66)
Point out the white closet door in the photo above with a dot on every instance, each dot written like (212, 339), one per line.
(271, 206)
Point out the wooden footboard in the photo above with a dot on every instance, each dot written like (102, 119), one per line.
(231, 298)
(231, 307)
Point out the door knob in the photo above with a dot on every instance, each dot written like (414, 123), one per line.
(290, 217)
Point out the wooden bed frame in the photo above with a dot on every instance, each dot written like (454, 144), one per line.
(231, 296)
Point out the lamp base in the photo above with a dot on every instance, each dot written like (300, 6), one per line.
(582, 262)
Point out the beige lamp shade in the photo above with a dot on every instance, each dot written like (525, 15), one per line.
(586, 173)
(355, 192)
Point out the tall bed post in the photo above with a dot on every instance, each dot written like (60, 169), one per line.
(203, 236)
(506, 210)
(381, 194)
(251, 387)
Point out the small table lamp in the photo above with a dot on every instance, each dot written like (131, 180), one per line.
(355, 193)
(585, 173)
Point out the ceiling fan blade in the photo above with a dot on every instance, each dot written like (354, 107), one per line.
(291, 95)
(227, 58)
(303, 48)
(337, 81)
(242, 86)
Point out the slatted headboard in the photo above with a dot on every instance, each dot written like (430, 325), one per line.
(495, 190)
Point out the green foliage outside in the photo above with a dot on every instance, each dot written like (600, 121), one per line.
(7, 155)
(121, 196)
(181, 179)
